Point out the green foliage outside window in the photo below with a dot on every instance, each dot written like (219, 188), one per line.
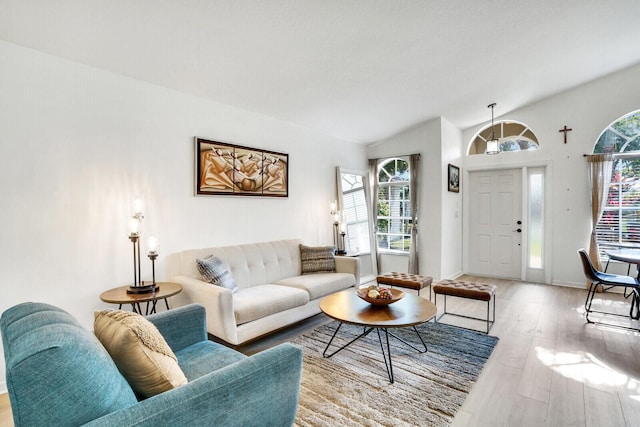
(621, 136)
(394, 208)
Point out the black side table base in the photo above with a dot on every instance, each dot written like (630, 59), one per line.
(143, 289)
(135, 307)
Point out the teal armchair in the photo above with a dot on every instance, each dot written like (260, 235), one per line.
(59, 374)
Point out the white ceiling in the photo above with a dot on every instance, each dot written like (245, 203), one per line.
(359, 70)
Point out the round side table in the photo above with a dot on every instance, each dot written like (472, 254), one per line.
(120, 296)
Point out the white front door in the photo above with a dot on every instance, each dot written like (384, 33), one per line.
(495, 223)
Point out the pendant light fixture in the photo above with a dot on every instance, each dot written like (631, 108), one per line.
(492, 142)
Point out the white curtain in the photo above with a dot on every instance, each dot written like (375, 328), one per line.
(414, 186)
(601, 168)
(373, 209)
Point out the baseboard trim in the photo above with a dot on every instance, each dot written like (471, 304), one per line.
(576, 285)
(454, 276)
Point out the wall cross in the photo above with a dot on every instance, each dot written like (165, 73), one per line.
(565, 130)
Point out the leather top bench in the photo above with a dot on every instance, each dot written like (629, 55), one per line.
(471, 290)
(406, 280)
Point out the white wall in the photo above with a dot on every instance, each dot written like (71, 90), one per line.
(77, 144)
(452, 204)
(588, 110)
(426, 140)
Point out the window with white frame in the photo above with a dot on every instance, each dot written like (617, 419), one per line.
(393, 221)
(620, 223)
(354, 211)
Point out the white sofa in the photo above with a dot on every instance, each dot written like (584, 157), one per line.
(271, 294)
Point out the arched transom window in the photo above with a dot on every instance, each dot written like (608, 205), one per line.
(512, 136)
(622, 136)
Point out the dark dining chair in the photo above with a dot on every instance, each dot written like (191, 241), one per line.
(597, 278)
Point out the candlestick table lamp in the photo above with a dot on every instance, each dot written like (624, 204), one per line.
(138, 286)
(153, 254)
(342, 248)
(335, 215)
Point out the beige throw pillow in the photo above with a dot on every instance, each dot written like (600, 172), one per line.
(139, 351)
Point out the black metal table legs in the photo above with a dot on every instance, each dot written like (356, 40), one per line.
(135, 307)
(386, 353)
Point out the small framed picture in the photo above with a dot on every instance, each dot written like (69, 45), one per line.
(454, 178)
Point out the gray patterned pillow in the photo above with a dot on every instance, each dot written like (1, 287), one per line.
(215, 271)
(317, 259)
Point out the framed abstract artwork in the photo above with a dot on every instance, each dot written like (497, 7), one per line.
(234, 170)
(454, 178)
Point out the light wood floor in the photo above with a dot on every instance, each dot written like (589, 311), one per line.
(549, 368)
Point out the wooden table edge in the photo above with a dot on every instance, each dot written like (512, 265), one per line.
(133, 298)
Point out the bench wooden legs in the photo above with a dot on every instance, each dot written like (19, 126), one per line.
(490, 320)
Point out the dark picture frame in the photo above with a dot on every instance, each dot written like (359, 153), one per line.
(453, 178)
(235, 170)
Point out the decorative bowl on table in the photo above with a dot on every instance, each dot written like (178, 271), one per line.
(394, 295)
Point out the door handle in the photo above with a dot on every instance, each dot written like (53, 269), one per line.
(519, 230)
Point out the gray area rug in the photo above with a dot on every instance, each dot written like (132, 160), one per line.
(352, 387)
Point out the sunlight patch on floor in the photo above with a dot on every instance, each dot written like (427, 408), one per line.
(586, 368)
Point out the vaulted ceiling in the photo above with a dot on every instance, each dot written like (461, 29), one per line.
(359, 70)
